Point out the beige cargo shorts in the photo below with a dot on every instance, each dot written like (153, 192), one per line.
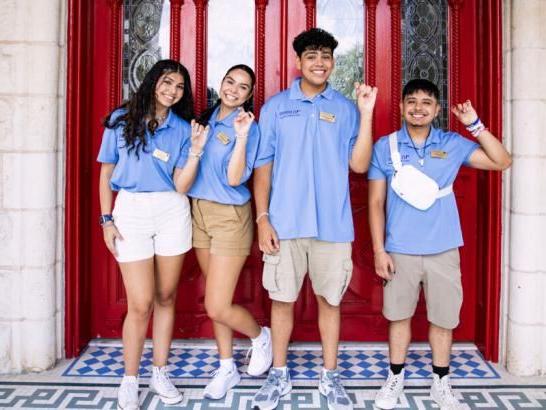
(329, 265)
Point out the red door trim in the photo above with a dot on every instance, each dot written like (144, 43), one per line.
(396, 60)
(176, 6)
(201, 54)
(259, 47)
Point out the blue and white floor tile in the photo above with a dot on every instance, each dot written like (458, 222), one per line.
(91, 381)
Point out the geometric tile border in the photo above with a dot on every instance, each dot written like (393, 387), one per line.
(86, 396)
(197, 363)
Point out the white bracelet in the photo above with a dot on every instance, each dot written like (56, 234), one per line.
(241, 137)
(261, 215)
(195, 154)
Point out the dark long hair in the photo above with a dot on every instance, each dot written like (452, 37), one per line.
(142, 105)
(204, 118)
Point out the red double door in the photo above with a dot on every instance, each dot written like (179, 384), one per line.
(95, 298)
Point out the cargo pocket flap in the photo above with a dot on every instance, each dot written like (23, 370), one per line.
(269, 277)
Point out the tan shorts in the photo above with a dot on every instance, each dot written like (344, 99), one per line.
(226, 230)
(440, 277)
(329, 264)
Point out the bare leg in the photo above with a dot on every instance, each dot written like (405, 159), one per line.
(222, 276)
(440, 341)
(329, 324)
(138, 279)
(166, 286)
(399, 340)
(282, 322)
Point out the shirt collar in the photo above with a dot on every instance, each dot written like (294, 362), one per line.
(227, 120)
(169, 121)
(297, 94)
(433, 138)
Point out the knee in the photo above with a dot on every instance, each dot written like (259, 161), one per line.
(216, 311)
(141, 311)
(165, 299)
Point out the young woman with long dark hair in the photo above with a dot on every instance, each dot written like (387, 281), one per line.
(150, 155)
(223, 224)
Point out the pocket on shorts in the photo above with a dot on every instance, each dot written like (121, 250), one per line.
(269, 276)
(347, 274)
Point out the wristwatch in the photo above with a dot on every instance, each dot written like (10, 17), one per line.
(105, 218)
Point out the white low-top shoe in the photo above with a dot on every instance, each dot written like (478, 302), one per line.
(387, 397)
(163, 387)
(128, 394)
(262, 354)
(224, 378)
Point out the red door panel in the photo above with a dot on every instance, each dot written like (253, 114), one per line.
(277, 22)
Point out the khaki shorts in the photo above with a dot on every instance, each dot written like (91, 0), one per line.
(440, 277)
(329, 264)
(226, 230)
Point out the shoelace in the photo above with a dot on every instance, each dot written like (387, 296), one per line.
(392, 384)
(220, 370)
(164, 380)
(271, 383)
(335, 382)
(259, 345)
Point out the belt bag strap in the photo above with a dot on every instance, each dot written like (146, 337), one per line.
(397, 163)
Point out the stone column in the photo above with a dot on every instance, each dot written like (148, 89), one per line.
(525, 120)
(31, 75)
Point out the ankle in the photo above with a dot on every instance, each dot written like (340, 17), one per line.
(396, 368)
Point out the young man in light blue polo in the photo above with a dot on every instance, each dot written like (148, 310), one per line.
(416, 242)
(310, 136)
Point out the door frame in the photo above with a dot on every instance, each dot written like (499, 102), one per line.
(82, 15)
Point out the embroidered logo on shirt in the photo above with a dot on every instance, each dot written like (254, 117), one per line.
(328, 117)
(224, 139)
(161, 155)
(438, 154)
(289, 113)
(403, 158)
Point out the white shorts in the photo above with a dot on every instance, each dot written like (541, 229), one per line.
(152, 223)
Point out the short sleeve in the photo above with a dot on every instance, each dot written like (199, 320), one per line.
(375, 170)
(109, 152)
(268, 137)
(185, 146)
(467, 148)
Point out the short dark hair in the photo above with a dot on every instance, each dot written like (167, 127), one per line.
(313, 39)
(420, 84)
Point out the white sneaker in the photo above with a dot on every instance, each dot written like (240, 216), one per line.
(387, 397)
(224, 378)
(163, 387)
(262, 354)
(441, 393)
(330, 386)
(128, 394)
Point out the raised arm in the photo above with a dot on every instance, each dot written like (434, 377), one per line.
(362, 150)
(184, 177)
(491, 155)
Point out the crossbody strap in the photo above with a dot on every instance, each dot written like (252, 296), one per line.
(395, 155)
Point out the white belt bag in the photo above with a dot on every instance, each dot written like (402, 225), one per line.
(413, 186)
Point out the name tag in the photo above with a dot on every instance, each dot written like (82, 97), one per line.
(161, 155)
(326, 116)
(438, 154)
(223, 138)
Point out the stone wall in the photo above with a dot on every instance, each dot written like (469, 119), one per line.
(32, 71)
(525, 186)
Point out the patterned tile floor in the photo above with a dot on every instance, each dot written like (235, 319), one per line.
(90, 381)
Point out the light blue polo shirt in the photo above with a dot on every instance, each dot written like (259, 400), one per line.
(211, 182)
(409, 230)
(309, 141)
(146, 173)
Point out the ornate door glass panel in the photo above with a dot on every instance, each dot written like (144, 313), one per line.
(424, 49)
(230, 40)
(146, 30)
(345, 20)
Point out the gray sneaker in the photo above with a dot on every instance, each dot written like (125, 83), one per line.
(330, 386)
(276, 385)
